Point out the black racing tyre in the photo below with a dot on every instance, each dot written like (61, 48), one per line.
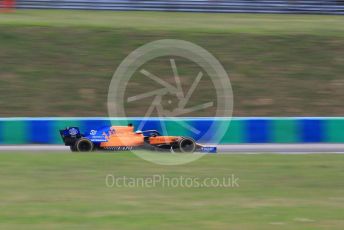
(73, 148)
(84, 145)
(187, 145)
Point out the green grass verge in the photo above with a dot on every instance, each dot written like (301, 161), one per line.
(68, 191)
(60, 63)
(186, 22)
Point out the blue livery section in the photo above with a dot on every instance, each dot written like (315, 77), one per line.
(208, 149)
(98, 136)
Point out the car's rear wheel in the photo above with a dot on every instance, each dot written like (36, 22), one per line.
(84, 145)
(187, 145)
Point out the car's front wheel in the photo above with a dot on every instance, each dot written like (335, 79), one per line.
(187, 145)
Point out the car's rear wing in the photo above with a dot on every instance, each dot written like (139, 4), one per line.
(70, 135)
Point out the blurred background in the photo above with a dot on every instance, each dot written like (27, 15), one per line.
(60, 62)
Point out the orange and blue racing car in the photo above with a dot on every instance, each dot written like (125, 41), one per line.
(118, 138)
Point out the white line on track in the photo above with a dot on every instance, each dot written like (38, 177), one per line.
(34, 148)
(282, 148)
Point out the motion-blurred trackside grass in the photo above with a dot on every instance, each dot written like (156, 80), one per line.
(60, 63)
(182, 22)
(68, 191)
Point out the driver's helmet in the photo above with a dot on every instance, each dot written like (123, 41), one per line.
(112, 131)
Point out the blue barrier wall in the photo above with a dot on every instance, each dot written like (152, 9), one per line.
(240, 130)
(219, 6)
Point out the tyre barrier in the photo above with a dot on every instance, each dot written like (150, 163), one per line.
(240, 130)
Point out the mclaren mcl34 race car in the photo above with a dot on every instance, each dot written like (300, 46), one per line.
(117, 138)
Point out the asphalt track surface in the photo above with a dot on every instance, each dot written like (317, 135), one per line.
(239, 148)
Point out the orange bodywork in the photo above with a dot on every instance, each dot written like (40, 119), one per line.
(120, 136)
(162, 140)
